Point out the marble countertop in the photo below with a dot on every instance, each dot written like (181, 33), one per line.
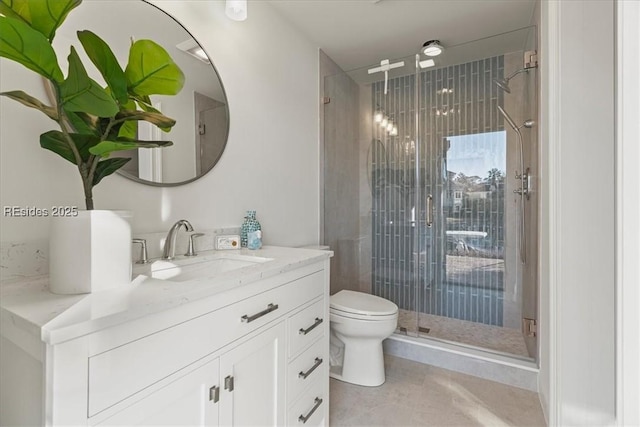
(28, 305)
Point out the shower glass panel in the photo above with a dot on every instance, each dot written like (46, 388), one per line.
(419, 202)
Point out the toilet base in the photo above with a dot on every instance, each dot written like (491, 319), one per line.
(338, 376)
(363, 364)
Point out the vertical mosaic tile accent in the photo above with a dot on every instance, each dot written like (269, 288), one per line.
(458, 262)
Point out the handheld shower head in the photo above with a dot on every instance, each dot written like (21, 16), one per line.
(527, 124)
(508, 119)
(502, 84)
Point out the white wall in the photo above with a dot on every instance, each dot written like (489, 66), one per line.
(270, 74)
(577, 357)
(628, 212)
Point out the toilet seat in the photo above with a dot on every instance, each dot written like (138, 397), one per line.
(362, 306)
(368, 318)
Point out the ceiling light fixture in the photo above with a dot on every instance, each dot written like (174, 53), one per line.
(389, 125)
(193, 48)
(427, 63)
(432, 48)
(378, 115)
(236, 9)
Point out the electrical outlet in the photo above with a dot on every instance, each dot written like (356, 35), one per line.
(228, 242)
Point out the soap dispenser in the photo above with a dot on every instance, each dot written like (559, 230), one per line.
(249, 225)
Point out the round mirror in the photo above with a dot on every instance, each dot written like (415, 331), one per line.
(200, 109)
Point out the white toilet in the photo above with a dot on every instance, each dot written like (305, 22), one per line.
(359, 323)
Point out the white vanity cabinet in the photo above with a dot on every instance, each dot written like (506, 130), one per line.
(253, 355)
(189, 400)
(244, 386)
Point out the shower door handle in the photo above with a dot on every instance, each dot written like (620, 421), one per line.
(429, 210)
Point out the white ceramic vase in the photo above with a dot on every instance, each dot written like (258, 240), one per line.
(89, 252)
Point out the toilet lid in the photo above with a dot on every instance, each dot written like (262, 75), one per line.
(361, 303)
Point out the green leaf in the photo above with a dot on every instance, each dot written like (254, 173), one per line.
(105, 61)
(79, 93)
(83, 123)
(128, 130)
(21, 43)
(152, 71)
(30, 101)
(48, 15)
(144, 102)
(55, 141)
(157, 119)
(17, 9)
(45, 16)
(107, 147)
(107, 167)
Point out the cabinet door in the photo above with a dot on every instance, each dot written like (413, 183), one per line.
(190, 400)
(253, 378)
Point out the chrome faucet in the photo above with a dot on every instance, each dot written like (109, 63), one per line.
(170, 242)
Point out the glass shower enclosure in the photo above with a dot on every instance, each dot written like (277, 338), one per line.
(419, 180)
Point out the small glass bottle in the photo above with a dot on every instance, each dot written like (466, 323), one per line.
(250, 224)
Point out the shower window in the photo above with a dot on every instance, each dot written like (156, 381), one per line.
(474, 212)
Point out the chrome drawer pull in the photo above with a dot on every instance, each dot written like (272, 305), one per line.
(214, 394)
(304, 418)
(228, 383)
(310, 328)
(269, 309)
(304, 375)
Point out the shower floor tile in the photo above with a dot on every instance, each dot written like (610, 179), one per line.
(422, 395)
(496, 338)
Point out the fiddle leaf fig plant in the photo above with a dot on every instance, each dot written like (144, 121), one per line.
(95, 120)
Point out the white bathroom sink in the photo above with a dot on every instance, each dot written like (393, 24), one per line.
(191, 269)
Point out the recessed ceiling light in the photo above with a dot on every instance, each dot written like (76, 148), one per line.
(432, 48)
(193, 48)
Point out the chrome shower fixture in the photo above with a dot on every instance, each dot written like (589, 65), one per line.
(527, 123)
(525, 181)
(385, 66)
(530, 62)
(508, 118)
(504, 83)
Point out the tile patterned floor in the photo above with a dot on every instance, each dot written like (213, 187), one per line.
(423, 395)
(477, 334)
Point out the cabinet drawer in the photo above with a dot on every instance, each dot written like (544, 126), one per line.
(306, 326)
(306, 368)
(310, 409)
(118, 373)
